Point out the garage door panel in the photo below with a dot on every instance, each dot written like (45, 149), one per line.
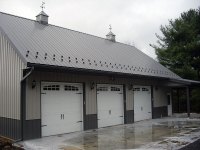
(61, 108)
(142, 103)
(109, 121)
(110, 105)
(47, 119)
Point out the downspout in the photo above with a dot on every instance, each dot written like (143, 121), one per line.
(28, 74)
(22, 102)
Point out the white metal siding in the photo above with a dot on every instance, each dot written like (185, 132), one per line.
(11, 69)
(160, 96)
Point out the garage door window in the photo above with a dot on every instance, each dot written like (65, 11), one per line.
(115, 89)
(145, 89)
(51, 87)
(71, 88)
(136, 89)
(102, 89)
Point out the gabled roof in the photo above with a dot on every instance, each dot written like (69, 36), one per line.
(110, 33)
(42, 13)
(57, 46)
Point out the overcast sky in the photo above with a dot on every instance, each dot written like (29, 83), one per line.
(133, 21)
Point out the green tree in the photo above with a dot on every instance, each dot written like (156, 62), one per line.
(179, 46)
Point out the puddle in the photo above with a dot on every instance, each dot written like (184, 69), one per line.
(69, 148)
(131, 136)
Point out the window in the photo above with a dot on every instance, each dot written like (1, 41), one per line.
(51, 87)
(71, 88)
(136, 89)
(102, 89)
(145, 89)
(115, 89)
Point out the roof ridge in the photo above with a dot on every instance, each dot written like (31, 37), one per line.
(72, 30)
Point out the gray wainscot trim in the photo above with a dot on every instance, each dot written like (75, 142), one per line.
(32, 129)
(10, 128)
(130, 116)
(159, 112)
(90, 121)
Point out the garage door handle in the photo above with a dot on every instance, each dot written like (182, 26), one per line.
(120, 93)
(44, 125)
(62, 116)
(79, 121)
(149, 112)
(43, 93)
(121, 116)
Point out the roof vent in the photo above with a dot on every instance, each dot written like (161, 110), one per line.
(110, 36)
(42, 17)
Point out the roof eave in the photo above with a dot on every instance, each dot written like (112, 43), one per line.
(46, 67)
(186, 82)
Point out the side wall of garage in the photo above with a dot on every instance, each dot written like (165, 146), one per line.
(160, 103)
(33, 101)
(11, 73)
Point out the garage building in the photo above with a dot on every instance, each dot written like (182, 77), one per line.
(55, 80)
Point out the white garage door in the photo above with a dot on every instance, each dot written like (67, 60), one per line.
(110, 105)
(61, 108)
(142, 103)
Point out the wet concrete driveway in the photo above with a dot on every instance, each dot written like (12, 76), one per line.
(167, 133)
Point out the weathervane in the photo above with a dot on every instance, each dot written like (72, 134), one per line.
(110, 27)
(42, 6)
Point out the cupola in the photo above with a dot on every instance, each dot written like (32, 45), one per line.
(110, 36)
(42, 17)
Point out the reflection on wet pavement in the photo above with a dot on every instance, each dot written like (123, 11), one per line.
(130, 136)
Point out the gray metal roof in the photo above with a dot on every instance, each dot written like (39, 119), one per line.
(53, 45)
(42, 13)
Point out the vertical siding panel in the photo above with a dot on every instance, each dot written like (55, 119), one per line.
(10, 75)
(160, 96)
(1, 109)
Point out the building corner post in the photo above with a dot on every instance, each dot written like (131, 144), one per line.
(188, 101)
(26, 74)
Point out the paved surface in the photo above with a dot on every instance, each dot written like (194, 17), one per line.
(166, 133)
(192, 146)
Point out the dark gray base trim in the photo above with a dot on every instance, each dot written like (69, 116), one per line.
(130, 116)
(10, 128)
(90, 122)
(32, 129)
(159, 112)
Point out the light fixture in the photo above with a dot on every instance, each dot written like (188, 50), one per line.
(92, 85)
(130, 86)
(33, 84)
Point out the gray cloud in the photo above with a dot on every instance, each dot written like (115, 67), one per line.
(133, 21)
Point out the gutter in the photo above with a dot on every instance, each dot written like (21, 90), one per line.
(186, 82)
(22, 103)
